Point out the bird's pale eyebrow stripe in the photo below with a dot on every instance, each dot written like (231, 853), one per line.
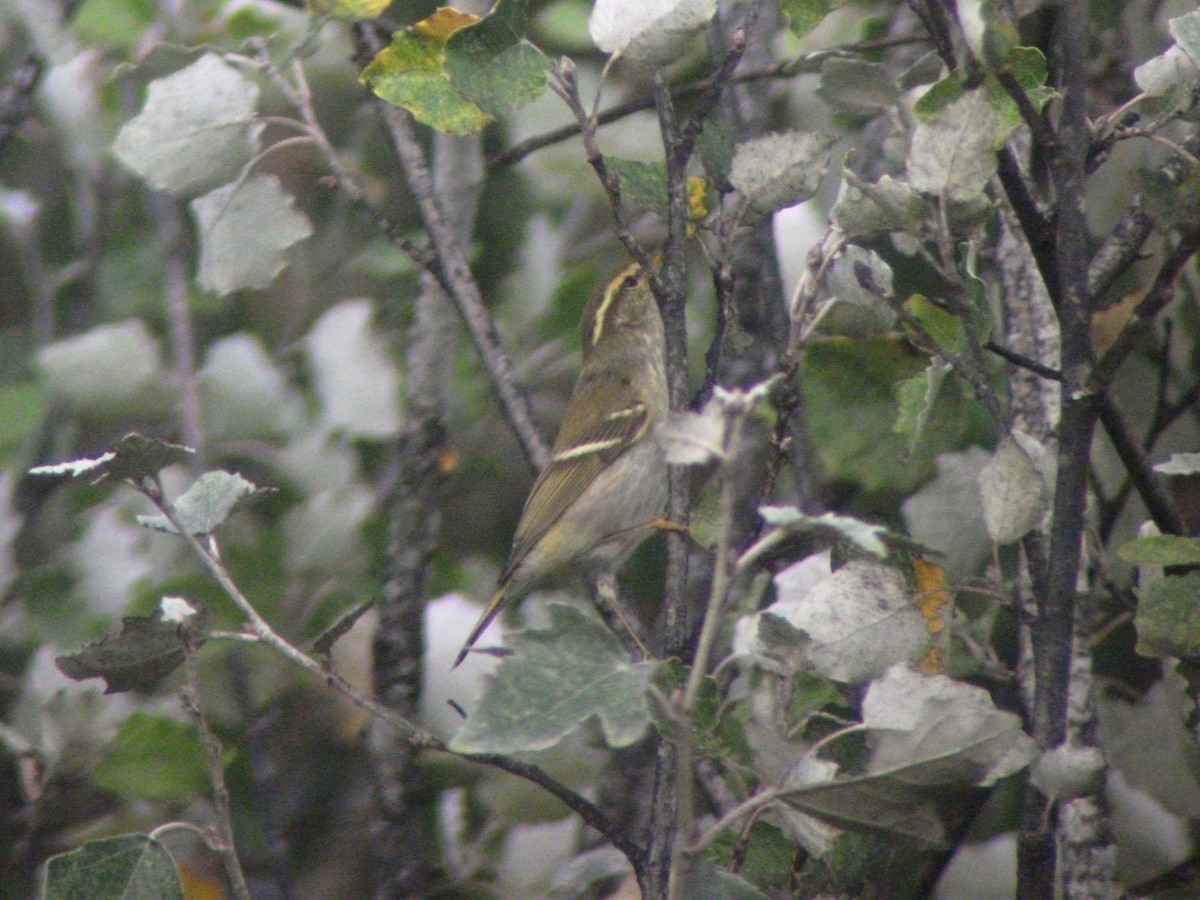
(614, 288)
(587, 449)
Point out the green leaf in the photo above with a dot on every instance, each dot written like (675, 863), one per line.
(135, 457)
(643, 185)
(1162, 550)
(144, 652)
(846, 381)
(805, 15)
(244, 230)
(195, 131)
(22, 405)
(456, 72)
(154, 758)
(492, 64)
(556, 679)
(916, 397)
(1168, 616)
(409, 73)
(131, 866)
(119, 24)
(856, 87)
(350, 9)
(208, 503)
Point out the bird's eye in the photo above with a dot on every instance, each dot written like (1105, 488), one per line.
(630, 282)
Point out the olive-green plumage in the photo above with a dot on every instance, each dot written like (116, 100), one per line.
(607, 478)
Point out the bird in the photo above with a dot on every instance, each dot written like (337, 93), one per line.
(606, 482)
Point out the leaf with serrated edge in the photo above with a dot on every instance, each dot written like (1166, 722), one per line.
(780, 170)
(207, 504)
(933, 730)
(195, 130)
(129, 865)
(556, 679)
(245, 228)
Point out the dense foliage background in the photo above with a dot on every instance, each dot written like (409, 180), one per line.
(927, 272)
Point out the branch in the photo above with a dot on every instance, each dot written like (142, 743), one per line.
(1161, 292)
(261, 632)
(1133, 458)
(454, 275)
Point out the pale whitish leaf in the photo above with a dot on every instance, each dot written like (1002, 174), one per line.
(1186, 31)
(580, 876)
(207, 504)
(1013, 489)
(780, 170)
(195, 130)
(1149, 741)
(1069, 771)
(954, 156)
(691, 439)
(768, 638)
(648, 33)
(863, 535)
(863, 209)
(135, 457)
(243, 394)
(1180, 464)
(356, 379)
(109, 370)
(131, 865)
(176, 610)
(933, 730)
(244, 229)
(945, 514)
(556, 679)
(861, 279)
(1172, 73)
(861, 620)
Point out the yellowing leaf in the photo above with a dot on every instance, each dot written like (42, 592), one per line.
(931, 663)
(443, 23)
(697, 194)
(350, 9)
(456, 72)
(1107, 324)
(930, 580)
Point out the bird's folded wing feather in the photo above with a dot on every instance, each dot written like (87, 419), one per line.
(579, 455)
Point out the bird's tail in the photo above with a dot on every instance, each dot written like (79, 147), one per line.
(489, 612)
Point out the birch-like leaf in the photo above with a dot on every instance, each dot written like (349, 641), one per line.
(1013, 489)
(207, 504)
(861, 620)
(556, 679)
(245, 228)
(933, 730)
(954, 156)
(195, 130)
(130, 865)
(780, 170)
(648, 33)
